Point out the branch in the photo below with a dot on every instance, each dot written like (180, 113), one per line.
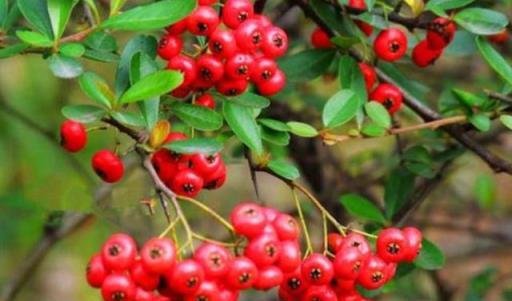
(499, 96)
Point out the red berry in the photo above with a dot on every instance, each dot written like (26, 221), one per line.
(320, 39)
(107, 166)
(373, 273)
(216, 179)
(357, 4)
(248, 219)
(317, 269)
(366, 28)
(290, 256)
(263, 250)
(118, 252)
(249, 35)
(319, 293)
(158, 255)
(334, 241)
(187, 183)
(274, 85)
(207, 2)
(286, 227)
(285, 295)
(206, 100)
(96, 271)
(413, 238)
(370, 77)
(390, 271)
(231, 87)
(73, 136)
(185, 65)
(239, 66)
(169, 46)
(499, 38)
(391, 245)
(354, 240)
(205, 165)
(236, 11)
(214, 259)
(263, 69)
(343, 286)
(143, 278)
(294, 283)
(390, 44)
(242, 274)
(275, 42)
(227, 294)
(423, 56)
(270, 213)
(142, 295)
(118, 287)
(440, 33)
(352, 295)
(186, 277)
(208, 291)
(389, 96)
(177, 28)
(347, 263)
(264, 20)
(181, 91)
(268, 278)
(203, 21)
(209, 71)
(222, 43)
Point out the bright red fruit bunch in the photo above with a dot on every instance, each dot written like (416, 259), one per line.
(241, 47)
(188, 174)
(440, 34)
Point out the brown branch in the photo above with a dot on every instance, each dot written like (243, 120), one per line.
(499, 96)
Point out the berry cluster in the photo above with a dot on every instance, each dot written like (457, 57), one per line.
(243, 51)
(107, 165)
(187, 174)
(440, 33)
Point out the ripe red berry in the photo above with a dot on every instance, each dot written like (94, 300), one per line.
(347, 263)
(334, 241)
(354, 240)
(390, 44)
(390, 271)
(186, 277)
(96, 271)
(226, 293)
(352, 295)
(275, 42)
(500, 37)
(440, 33)
(273, 85)
(187, 183)
(317, 269)
(207, 2)
(389, 96)
(268, 278)
(209, 71)
(181, 91)
(248, 219)
(73, 136)
(319, 293)
(169, 46)
(391, 245)
(423, 55)
(242, 274)
(263, 69)
(370, 77)
(263, 250)
(143, 278)
(264, 20)
(270, 213)
(343, 286)
(208, 291)
(366, 28)
(118, 287)
(118, 252)
(185, 65)
(286, 227)
(357, 4)
(294, 283)
(235, 12)
(231, 87)
(143, 295)
(158, 255)
(413, 238)
(107, 166)
(203, 21)
(373, 273)
(206, 100)
(249, 35)
(214, 259)
(177, 28)
(205, 165)
(239, 66)
(216, 179)
(290, 256)
(222, 43)
(320, 39)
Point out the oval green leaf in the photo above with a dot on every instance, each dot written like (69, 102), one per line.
(155, 84)
(197, 116)
(495, 59)
(506, 120)
(306, 65)
(481, 21)
(430, 257)
(302, 129)
(373, 130)
(129, 118)
(481, 121)
(64, 66)
(96, 88)
(378, 114)
(241, 121)
(276, 125)
(36, 13)
(72, 49)
(34, 38)
(83, 113)
(360, 207)
(60, 11)
(248, 99)
(284, 169)
(340, 108)
(195, 145)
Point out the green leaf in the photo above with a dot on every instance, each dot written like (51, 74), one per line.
(197, 116)
(141, 66)
(129, 118)
(399, 186)
(373, 130)
(417, 89)
(248, 99)
(420, 169)
(195, 145)
(275, 137)
(352, 78)
(481, 121)
(418, 154)
(302, 129)
(34, 38)
(481, 21)
(151, 16)
(64, 66)
(495, 60)
(72, 49)
(101, 41)
(4, 6)
(101, 56)
(284, 169)
(378, 114)
(276, 125)
(241, 120)
(340, 108)
(83, 113)
(307, 65)
(345, 42)
(60, 11)
(115, 6)
(430, 257)
(12, 50)
(485, 191)
(155, 84)
(506, 120)
(96, 88)
(447, 4)
(36, 13)
(328, 14)
(360, 207)
(468, 99)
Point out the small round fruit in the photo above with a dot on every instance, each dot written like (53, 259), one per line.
(96, 271)
(158, 255)
(263, 250)
(118, 287)
(187, 183)
(357, 4)
(209, 71)
(263, 70)
(366, 28)
(390, 45)
(354, 240)
(73, 136)
(242, 274)
(214, 259)
(186, 277)
(319, 293)
(440, 33)
(317, 269)
(286, 227)
(369, 74)
(248, 219)
(499, 38)
(275, 42)
(413, 237)
(204, 165)
(239, 66)
(185, 65)
(169, 46)
(347, 263)
(216, 179)
(235, 12)
(206, 100)
(231, 87)
(392, 245)
(203, 21)
(320, 39)
(268, 278)
(249, 35)
(294, 283)
(290, 256)
(423, 56)
(208, 291)
(143, 278)
(389, 96)
(273, 85)
(270, 213)
(177, 28)
(107, 166)
(334, 241)
(118, 252)
(222, 43)
(373, 273)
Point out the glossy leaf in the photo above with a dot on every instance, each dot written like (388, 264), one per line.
(302, 129)
(155, 84)
(195, 145)
(141, 66)
(352, 78)
(276, 125)
(64, 67)
(481, 121)
(12, 50)
(197, 116)
(481, 21)
(34, 38)
(360, 207)
(306, 65)
(430, 257)
(241, 121)
(72, 49)
(495, 60)
(340, 108)
(248, 99)
(60, 11)
(275, 137)
(36, 13)
(378, 114)
(96, 88)
(129, 118)
(284, 169)
(101, 41)
(83, 113)
(506, 120)
(399, 186)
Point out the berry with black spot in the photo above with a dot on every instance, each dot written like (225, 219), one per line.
(96, 271)
(186, 277)
(143, 278)
(239, 66)
(118, 252)
(235, 12)
(185, 65)
(231, 87)
(317, 269)
(118, 287)
(294, 283)
(263, 70)
(203, 21)
(413, 238)
(216, 179)
(423, 56)
(286, 227)
(169, 46)
(354, 240)
(249, 35)
(214, 259)
(73, 136)
(373, 273)
(204, 165)
(390, 45)
(248, 219)
(391, 245)
(275, 42)
(242, 274)
(222, 43)
(209, 71)
(389, 96)
(208, 291)
(440, 33)
(319, 293)
(158, 255)
(348, 263)
(263, 250)
(206, 100)
(187, 183)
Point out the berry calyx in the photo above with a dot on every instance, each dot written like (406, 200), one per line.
(187, 183)
(317, 269)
